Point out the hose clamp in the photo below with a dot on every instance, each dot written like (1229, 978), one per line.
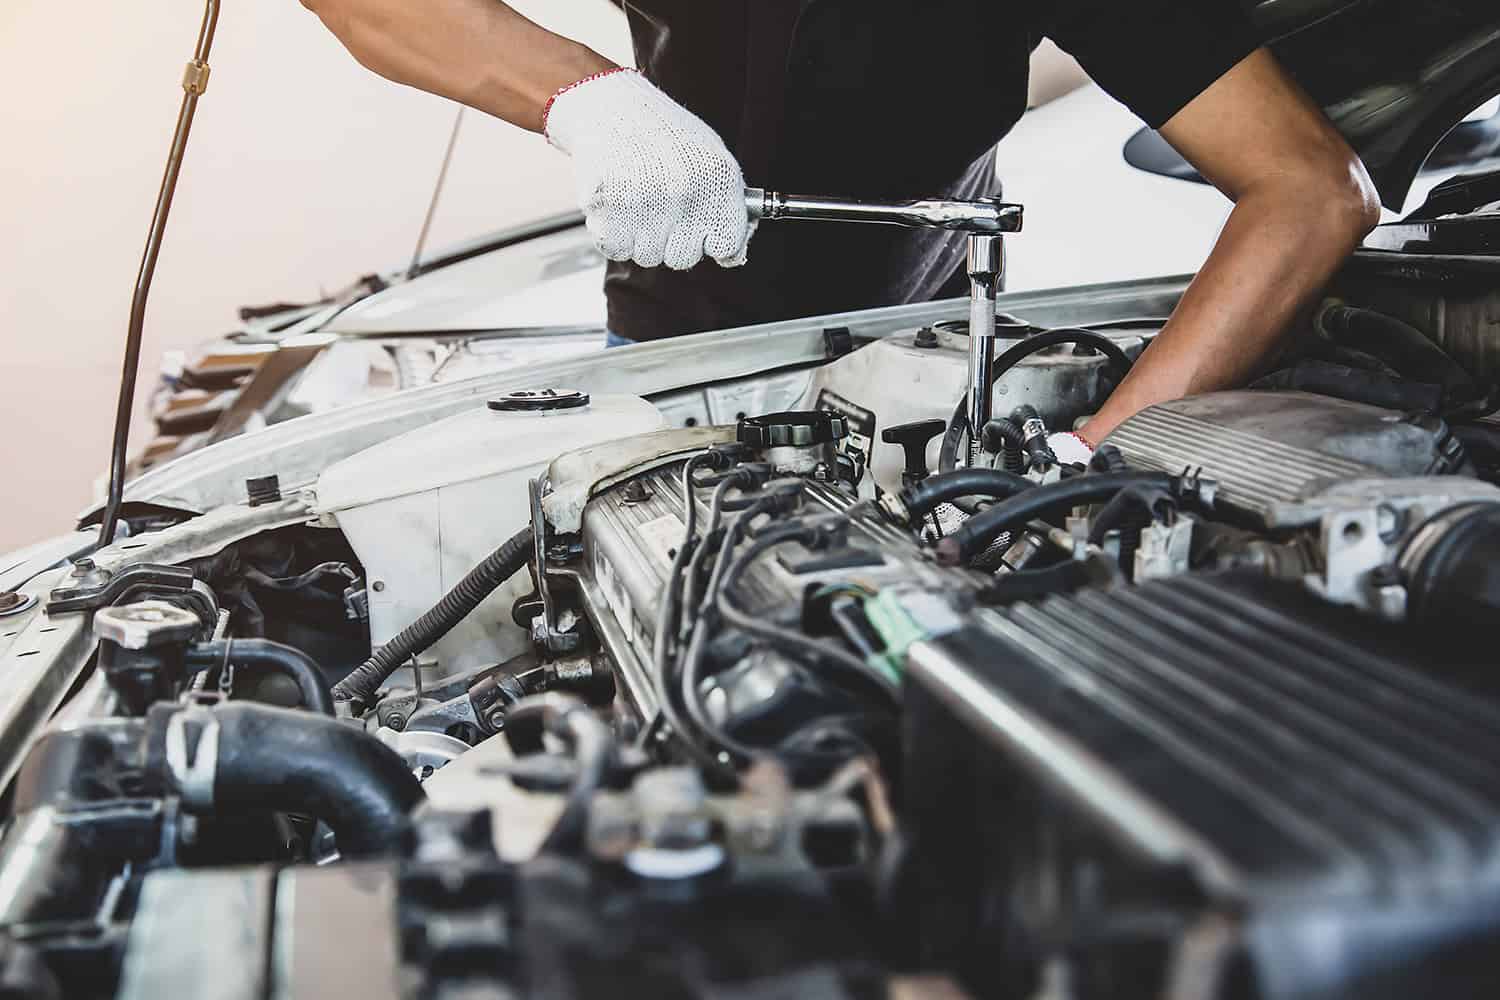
(195, 776)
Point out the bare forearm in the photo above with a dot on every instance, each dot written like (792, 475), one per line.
(1277, 251)
(478, 52)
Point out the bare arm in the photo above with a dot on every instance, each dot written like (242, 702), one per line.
(477, 52)
(1302, 201)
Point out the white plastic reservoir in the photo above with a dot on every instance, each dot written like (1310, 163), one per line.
(423, 509)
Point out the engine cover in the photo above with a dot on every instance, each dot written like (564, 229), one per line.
(1269, 451)
(1317, 796)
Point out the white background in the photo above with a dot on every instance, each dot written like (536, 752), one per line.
(304, 172)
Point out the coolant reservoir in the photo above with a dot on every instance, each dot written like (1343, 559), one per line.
(423, 509)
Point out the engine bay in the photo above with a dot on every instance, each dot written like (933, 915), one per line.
(766, 689)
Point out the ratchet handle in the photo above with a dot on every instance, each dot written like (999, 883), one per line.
(987, 216)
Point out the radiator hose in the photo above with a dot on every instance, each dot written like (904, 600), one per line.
(284, 760)
(482, 581)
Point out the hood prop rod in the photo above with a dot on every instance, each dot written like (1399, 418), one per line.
(194, 83)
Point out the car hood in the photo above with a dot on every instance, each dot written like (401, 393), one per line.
(1394, 75)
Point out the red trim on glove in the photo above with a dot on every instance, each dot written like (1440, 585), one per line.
(547, 108)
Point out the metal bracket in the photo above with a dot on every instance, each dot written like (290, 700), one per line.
(195, 777)
(96, 588)
(545, 628)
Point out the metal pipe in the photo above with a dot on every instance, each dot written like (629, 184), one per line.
(194, 83)
(987, 216)
(986, 266)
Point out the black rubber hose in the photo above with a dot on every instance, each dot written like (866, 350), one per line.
(949, 486)
(1004, 437)
(456, 605)
(958, 424)
(1131, 512)
(265, 655)
(974, 534)
(295, 762)
(586, 737)
(1122, 510)
(1035, 584)
(1405, 347)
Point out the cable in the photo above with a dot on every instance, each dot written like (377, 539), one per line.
(716, 603)
(793, 643)
(1035, 584)
(716, 509)
(958, 424)
(588, 739)
(455, 606)
(977, 532)
(667, 625)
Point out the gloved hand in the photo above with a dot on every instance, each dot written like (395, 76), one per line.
(656, 184)
(1070, 448)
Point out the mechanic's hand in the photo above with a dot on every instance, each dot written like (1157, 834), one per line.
(656, 184)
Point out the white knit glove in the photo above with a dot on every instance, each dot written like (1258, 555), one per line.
(1069, 448)
(656, 184)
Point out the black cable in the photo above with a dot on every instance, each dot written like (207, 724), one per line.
(456, 605)
(716, 509)
(588, 740)
(692, 663)
(693, 656)
(717, 603)
(974, 534)
(667, 627)
(1035, 584)
(792, 643)
(958, 424)
(666, 612)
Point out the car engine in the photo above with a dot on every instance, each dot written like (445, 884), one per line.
(805, 702)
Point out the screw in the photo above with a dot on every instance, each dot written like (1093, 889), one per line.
(926, 338)
(378, 586)
(396, 721)
(497, 721)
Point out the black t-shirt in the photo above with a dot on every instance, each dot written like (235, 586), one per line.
(882, 99)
